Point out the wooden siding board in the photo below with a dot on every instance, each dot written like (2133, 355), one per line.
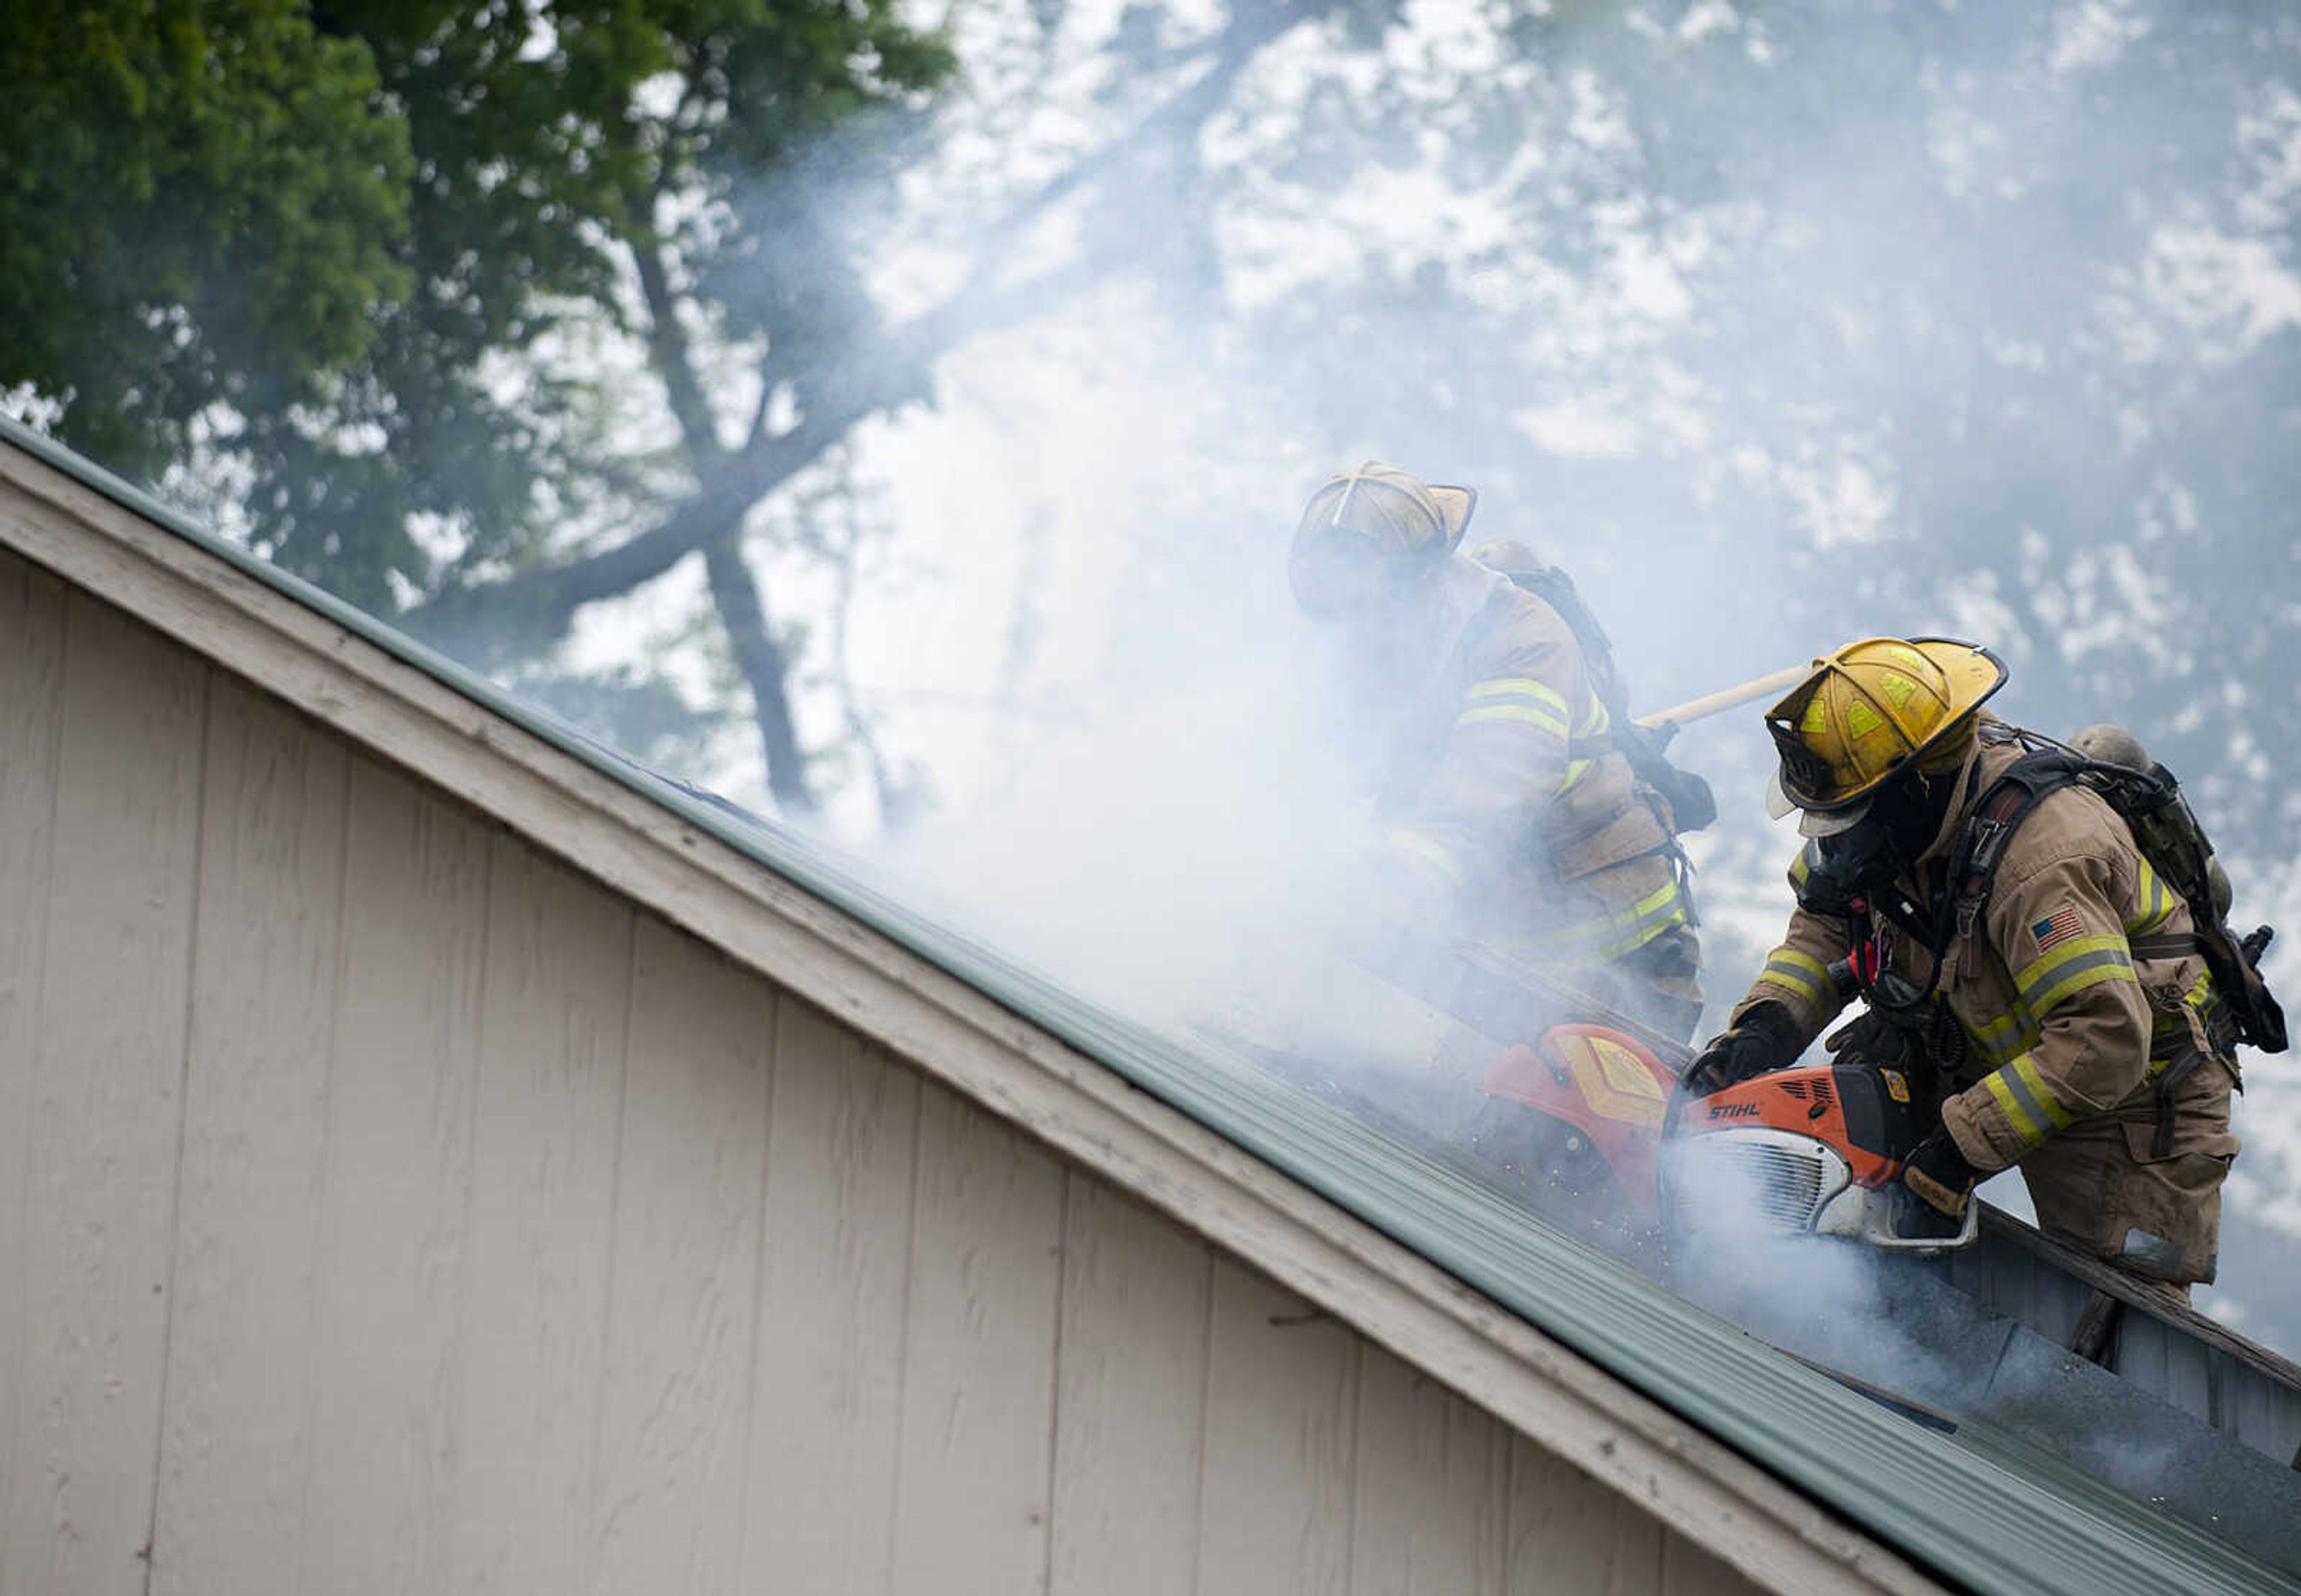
(1570, 1533)
(1282, 1399)
(386, 1430)
(971, 1497)
(834, 1262)
(32, 688)
(1430, 1517)
(1562, 1526)
(684, 1282)
(106, 1109)
(234, 1440)
(1130, 1399)
(1639, 1541)
(1687, 1570)
(553, 1018)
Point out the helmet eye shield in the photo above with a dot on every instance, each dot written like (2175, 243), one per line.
(1805, 778)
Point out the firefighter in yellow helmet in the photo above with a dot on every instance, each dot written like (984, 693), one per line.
(2012, 942)
(1507, 808)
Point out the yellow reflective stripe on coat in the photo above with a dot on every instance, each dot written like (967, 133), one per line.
(2152, 902)
(1800, 972)
(1520, 687)
(1646, 920)
(1576, 769)
(1610, 936)
(2029, 1105)
(1531, 715)
(1656, 912)
(2071, 967)
(2068, 970)
(1432, 852)
(1516, 698)
(2006, 1036)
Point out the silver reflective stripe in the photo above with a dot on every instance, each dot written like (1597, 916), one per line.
(2040, 1118)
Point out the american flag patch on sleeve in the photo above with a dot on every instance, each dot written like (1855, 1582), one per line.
(2054, 929)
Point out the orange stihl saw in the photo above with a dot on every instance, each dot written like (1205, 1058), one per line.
(1815, 1149)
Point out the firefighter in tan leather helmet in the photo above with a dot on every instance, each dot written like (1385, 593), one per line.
(2012, 935)
(1503, 794)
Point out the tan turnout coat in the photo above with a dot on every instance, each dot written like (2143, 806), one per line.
(2065, 1030)
(1504, 788)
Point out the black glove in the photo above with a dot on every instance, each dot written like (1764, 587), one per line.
(1870, 1037)
(1764, 1038)
(1938, 1176)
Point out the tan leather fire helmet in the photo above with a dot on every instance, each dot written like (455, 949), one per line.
(1367, 529)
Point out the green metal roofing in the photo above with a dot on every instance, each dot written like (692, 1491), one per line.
(1971, 1518)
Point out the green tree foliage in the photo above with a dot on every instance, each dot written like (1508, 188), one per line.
(336, 251)
(200, 204)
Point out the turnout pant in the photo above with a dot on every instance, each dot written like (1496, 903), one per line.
(2103, 1187)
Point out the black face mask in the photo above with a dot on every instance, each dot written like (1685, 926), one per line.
(1909, 811)
(1903, 821)
(1855, 863)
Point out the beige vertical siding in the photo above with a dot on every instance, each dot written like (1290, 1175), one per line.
(238, 1426)
(31, 670)
(385, 1207)
(108, 975)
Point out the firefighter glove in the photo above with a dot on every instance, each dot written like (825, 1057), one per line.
(1765, 1038)
(1870, 1037)
(1940, 1176)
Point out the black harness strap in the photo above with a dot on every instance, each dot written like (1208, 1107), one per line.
(2029, 781)
(1686, 804)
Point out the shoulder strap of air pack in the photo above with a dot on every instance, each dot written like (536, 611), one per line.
(2008, 801)
(2150, 805)
(1691, 804)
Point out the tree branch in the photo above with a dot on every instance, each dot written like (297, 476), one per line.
(668, 348)
(728, 488)
(734, 591)
(736, 596)
(895, 798)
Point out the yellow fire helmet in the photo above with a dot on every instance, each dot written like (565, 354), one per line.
(1362, 527)
(1867, 713)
